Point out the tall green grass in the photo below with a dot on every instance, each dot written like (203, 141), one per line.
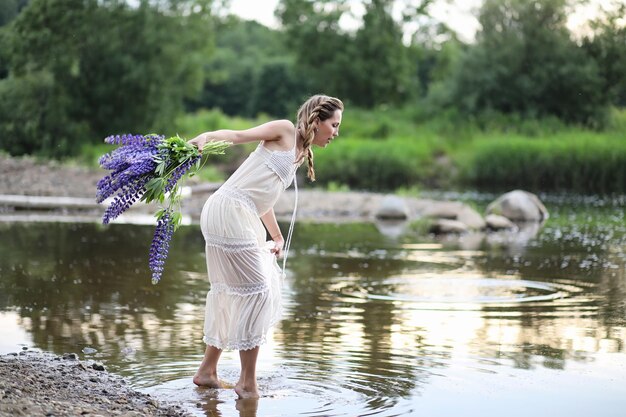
(391, 149)
(374, 164)
(585, 162)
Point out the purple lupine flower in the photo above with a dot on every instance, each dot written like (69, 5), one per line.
(179, 172)
(127, 152)
(127, 196)
(132, 165)
(146, 167)
(161, 244)
(132, 171)
(124, 156)
(128, 139)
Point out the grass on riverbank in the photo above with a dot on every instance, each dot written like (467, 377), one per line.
(575, 161)
(390, 149)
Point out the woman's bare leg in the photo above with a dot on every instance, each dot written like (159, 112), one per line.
(247, 386)
(206, 376)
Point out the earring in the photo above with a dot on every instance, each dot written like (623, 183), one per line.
(315, 130)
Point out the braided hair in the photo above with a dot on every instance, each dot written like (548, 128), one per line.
(316, 107)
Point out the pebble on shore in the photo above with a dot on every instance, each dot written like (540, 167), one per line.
(41, 384)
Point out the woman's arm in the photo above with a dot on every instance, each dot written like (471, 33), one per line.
(269, 220)
(275, 130)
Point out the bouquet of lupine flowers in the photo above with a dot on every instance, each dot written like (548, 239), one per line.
(151, 168)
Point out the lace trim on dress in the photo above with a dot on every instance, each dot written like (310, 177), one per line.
(238, 195)
(282, 163)
(242, 290)
(231, 244)
(285, 168)
(231, 345)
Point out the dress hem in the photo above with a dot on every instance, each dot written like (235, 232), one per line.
(247, 345)
(242, 345)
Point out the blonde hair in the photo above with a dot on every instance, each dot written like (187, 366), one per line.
(320, 107)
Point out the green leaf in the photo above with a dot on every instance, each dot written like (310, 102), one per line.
(160, 168)
(177, 218)
(150, 185)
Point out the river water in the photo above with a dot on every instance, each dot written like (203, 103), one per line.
(380, 320)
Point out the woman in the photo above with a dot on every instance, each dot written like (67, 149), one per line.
(245, 298)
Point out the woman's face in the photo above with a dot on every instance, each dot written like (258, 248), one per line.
(327, 129)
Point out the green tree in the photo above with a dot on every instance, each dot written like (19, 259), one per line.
(278, 91)
(436, 48)
(369, 66)
(381, 69)
(9, 9)
(98, 67)
(323, 51)
(607, 46)
(34, 116)
(525, 62)
(250, 72)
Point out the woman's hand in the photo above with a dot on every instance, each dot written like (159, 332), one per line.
(279, 243)
(199, 141)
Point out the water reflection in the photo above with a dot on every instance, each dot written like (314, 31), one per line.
(375, 323)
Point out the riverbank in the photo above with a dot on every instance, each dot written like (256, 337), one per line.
(27, 176)
(41, 384)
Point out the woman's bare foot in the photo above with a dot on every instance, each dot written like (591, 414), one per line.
(209, 381)
(245, 392)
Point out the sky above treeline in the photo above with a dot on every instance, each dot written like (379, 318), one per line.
(460, 15)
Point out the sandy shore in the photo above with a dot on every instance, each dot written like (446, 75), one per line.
(42, 384)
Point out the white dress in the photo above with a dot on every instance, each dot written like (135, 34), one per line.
(244, 300)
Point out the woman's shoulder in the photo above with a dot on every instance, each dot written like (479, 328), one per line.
(285, 135)
(278, 124)
(285, 124)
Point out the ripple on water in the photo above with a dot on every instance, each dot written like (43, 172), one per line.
(291, 392)
(471, 292)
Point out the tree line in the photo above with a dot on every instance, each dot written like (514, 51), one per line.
(74, 71)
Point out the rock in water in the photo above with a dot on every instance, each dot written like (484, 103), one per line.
(519, 205)
(98, 366)
(495, 222)
(453, 210)
(392, 207)
(445, 226)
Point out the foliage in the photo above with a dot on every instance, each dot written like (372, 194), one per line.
(607, 46)
(251, 72)
(35, 116)
(435, 64)
(373, 165)
(443, 151)
(9, 9)
(63, 83)
(369, 67)
(381, 70)
(76, 83)
(312, 33)
(576, 161)
(277, 91)
(525, 62)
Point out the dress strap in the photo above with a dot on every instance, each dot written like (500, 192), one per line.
(293, 221)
